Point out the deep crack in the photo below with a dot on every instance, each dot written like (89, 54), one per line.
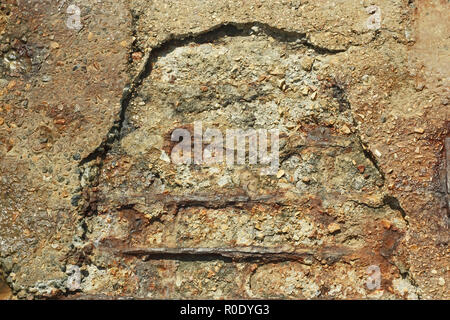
(116, 132)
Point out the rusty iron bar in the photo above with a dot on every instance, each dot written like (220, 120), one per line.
(242, 253)
(213, 201)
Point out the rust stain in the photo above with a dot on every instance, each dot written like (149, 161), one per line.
(5, 290)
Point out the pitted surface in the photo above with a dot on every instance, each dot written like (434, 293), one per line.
(90, 206)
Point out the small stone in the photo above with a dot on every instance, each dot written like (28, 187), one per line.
(386, 224)
(306, 179)
(441, 281)
(76, 156)
(90, 36)
(280, 174)
(11, 84)
(3, 83)
(305, 91)
(59, 121)
(54, 45)
(314, 96)
(164, 156)
(46, 78)
(361, 168)
(124, 43)
(308, 261)
(420, 86)
(346, 129)
(224, 180)
(2, 121)
(307, 63)
(333, 228)
(377, 153)
(419, 130)
(137, 56)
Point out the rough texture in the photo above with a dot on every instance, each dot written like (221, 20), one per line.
(90, 206)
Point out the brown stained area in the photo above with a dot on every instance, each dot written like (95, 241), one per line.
(45, 107)
(170, 230)
(5, 291)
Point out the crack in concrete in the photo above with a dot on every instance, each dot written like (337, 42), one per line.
(389, 200)
(115, 133)
(407, 275)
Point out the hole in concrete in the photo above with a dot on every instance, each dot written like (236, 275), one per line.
(251, 77)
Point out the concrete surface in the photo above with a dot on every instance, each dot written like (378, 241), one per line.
(90, 206)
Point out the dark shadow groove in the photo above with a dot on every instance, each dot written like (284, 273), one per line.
(371, 157)
(394, 204)
(225, 257)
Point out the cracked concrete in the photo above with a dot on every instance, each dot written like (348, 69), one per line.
(362, 111)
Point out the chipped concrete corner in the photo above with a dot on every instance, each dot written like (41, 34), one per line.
(92, 207)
